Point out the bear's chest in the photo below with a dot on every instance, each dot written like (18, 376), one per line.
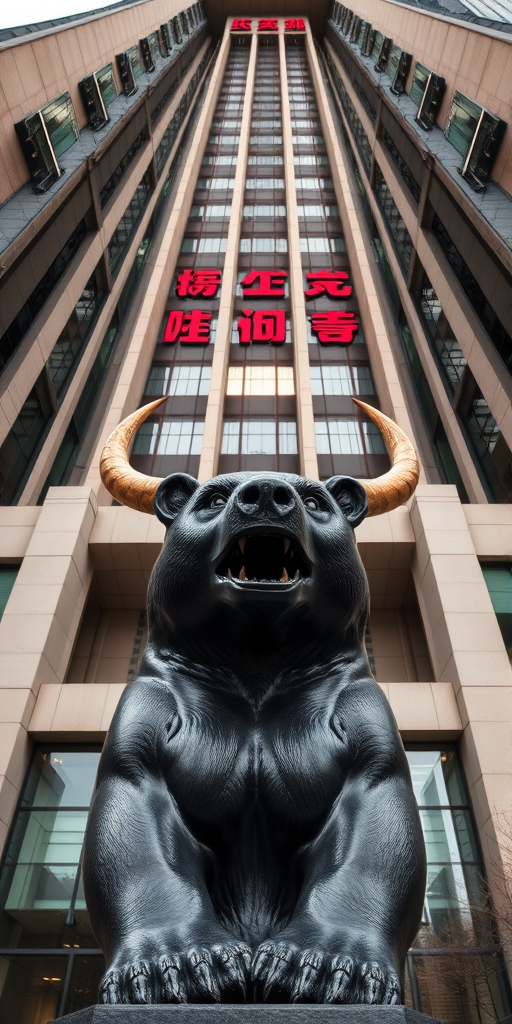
(285, 764)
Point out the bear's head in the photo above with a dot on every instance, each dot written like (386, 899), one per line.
(259, 565)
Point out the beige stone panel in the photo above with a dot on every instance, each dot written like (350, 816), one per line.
(112, 670)
(79, 710)
(413, 707)
(44, 710)
(15, 749)
(491, 797)
(389, 668)
(478, 668)
(16, 705)
(19, 669)
(447, 710)
(8, 799)
(486, 704)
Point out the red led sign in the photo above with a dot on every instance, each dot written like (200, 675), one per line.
(327, 282)
(335, 326)
(267, 25)
(190, 328)
(294, 25)
(241, 25)
(271, 284)
(263, 326)
(192, 283)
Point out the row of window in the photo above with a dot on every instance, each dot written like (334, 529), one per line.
(259, 379)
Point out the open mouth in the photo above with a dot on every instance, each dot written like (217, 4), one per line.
(264, 558)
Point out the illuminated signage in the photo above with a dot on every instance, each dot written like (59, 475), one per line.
(261, 326)
(268, 25)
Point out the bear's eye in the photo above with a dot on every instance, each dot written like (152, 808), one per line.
(218, 501)
(312, 504)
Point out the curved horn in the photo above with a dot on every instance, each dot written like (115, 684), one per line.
(124, 483)
(395, 487)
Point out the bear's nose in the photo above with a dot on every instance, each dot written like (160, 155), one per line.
(266, 496)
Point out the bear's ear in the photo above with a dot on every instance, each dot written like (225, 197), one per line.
(172, 495)
(350, 495)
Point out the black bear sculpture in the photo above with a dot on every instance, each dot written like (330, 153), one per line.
(254, 833)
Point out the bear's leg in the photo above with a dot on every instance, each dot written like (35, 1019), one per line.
(144, 875)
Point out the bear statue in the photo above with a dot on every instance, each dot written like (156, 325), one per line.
(254, 834)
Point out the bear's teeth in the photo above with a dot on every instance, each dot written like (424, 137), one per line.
(284, 577)
(230, 574)
(287, 543)
(242, 575)
(297, 575)
(241, 544)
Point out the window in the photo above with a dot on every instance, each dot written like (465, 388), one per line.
(266, 140)
(264, 183)
(419, 83)
(8, 575)
(107, 85)
(70, 345)
(216, 183)
(445, 347)
(341, 380)
(310, 159)
(180, 437)
(462, 122)
(261, 158)
(158, 380)
(455, 906)
(118, 174)
(348, 436)
(11, 340)
(493, 456)
(61, 123)
(220, 161)
(259, 437)
(203, 245)
(307, 184)
(24, 441)
(127, 226)
(270, 211)
(260, 380)
(403, 167)
(210, 212)
(319, 245)
(400, 237)
(41, 889)
(307, 140)
(223, 140)
(256, 244)
(190, 380)
(499, 584)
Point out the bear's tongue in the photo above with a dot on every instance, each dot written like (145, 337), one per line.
(264, 559)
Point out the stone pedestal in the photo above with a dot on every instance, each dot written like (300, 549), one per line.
(239, 1013)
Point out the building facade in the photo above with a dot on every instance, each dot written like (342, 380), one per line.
(257, 219)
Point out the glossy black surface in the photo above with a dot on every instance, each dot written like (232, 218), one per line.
(254, 835)
(248, 1015)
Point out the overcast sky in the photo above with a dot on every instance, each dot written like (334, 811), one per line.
(23, 12)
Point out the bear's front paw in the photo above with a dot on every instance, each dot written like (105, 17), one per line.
(282, 972)
(196, 975)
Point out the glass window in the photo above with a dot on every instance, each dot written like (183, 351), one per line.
(181, 437)
(158, 380)
(260, 380)
(120, 240)
(261, 158)
(341, 379)
(310, 159)
(264, 183)
(107, 85)
(8, 575)
(348, 436)
(190, 380)
(462, 122)
(212, 245)
(72, 341)
(61, 123)
(145, 439)
(257, 244)
(24, 441)
(216, 183)
(265, 211)
(419, 82)
(307, 184)
(259, 437)
(499, 584)
(400, 237)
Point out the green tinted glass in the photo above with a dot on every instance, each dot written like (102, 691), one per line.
(462, 122)
(418, 84)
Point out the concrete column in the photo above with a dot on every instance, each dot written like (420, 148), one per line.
(215, 407)
(305, 418)
(466, 648)
(40, 624)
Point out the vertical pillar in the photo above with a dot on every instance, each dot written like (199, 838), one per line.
(467, 649)
(39, 625)
(305, 418)
(215, 407)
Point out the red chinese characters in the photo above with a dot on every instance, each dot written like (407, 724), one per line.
(263, 326)
(294, 25)
(335, 326)
(190, 328)
(267, 25)
(192, 283)
(241, 25)
(271, 284)
(327, 282)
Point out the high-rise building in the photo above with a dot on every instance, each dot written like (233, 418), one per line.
(258, 219)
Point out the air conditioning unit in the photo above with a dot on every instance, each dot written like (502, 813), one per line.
(177, 30)
(381, 50)
(369, 42)
(92, 100)
(354, 29)
(482, 151)
(42, 163)
(125, 70)
(165, 40)
(147, 56)
(347, 22)
(431, 101)
(399, 63)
